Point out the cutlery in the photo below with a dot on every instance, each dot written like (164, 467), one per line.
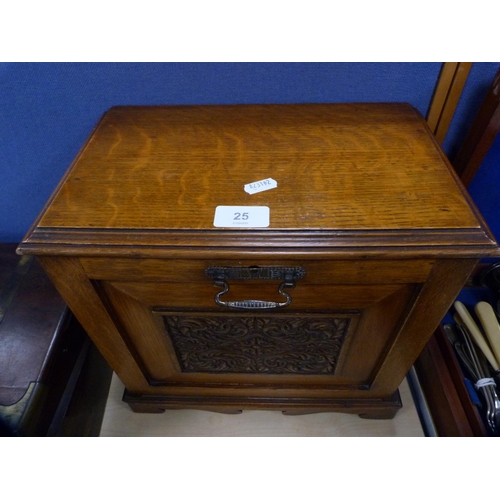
(490, 324)
(473, 329)
(450, 331)
(483, 383)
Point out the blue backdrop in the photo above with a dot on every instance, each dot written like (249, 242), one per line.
(48, 110)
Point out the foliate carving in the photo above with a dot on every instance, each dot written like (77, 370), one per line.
(257, 344)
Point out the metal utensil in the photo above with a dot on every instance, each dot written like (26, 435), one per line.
(494, 401)
(479, 374)
(457, 345)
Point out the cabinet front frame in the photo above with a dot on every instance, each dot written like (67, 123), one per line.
(96, 313)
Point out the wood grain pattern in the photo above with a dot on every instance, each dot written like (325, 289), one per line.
(172, 166)
(349, 176)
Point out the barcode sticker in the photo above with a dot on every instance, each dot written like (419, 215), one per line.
(259, 186)
(235, 216)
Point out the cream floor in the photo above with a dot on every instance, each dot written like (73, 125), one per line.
(120, 421)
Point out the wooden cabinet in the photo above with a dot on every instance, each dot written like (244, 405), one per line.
(370, 237)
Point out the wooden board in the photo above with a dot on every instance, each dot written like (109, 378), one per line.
(348, 175)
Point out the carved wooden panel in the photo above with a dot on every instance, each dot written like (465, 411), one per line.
(273, 344)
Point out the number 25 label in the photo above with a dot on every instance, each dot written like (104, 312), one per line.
(241, 216)
(229, 216)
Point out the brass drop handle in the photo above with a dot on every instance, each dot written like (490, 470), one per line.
(250, 303)
(220, 275)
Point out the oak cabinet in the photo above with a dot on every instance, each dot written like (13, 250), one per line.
(323, 306)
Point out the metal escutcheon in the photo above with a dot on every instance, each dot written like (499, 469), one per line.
(289, 275)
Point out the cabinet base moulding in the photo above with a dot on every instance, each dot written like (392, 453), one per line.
(366, 408)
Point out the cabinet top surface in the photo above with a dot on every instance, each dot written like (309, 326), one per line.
(338, 167)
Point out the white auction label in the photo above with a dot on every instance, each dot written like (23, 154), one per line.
(226, 216)
(259, 186)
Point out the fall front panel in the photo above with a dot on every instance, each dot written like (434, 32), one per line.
(199, 347)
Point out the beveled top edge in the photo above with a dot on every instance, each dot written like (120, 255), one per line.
(450, 243)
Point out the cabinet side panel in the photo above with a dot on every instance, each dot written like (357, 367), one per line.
(378, 325)
(82, 298)
(145, 332)
(436, 297)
